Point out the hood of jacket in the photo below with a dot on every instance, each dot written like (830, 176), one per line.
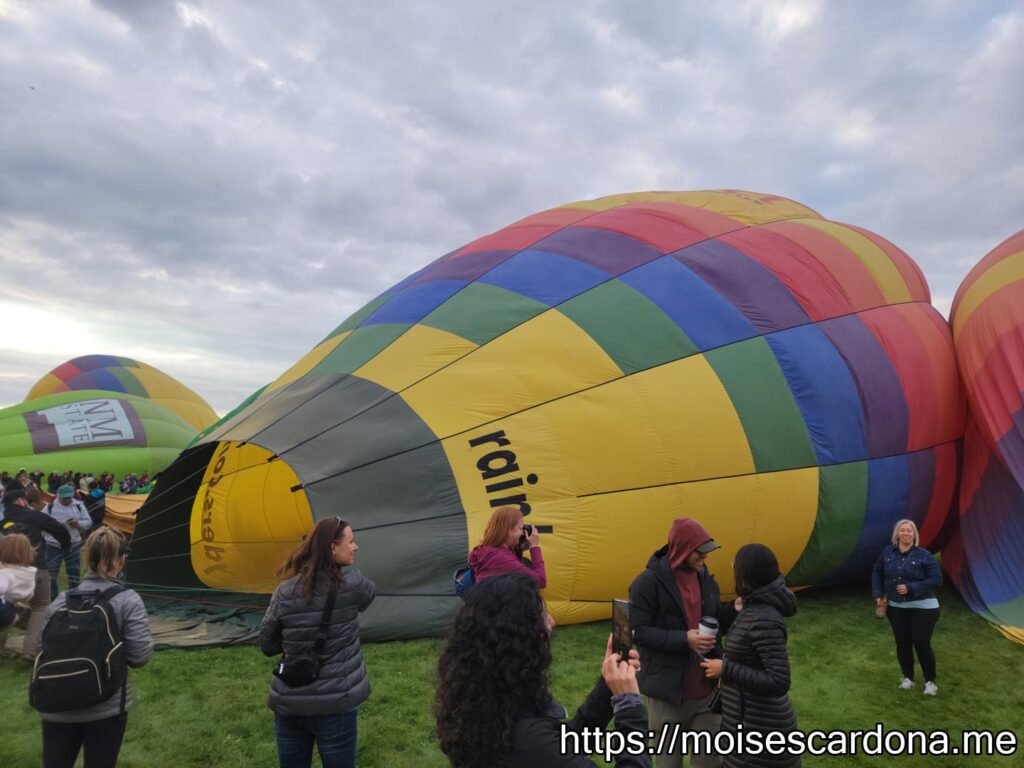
(480, 556)
(684, 536)
(775, 594)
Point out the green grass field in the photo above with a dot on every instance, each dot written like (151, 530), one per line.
(207, 708)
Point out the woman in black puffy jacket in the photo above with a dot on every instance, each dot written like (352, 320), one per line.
(755, 671)
(324, 711)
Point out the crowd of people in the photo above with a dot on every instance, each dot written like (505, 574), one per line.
(81, 481)
(700, 664)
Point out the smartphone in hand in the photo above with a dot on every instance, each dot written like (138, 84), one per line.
(622, 635)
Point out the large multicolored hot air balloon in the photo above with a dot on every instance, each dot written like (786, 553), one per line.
(90, 430)
(988, 328)
(608, 365)
(124, 375)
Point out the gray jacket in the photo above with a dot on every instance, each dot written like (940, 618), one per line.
(133, 621)
(290, 625)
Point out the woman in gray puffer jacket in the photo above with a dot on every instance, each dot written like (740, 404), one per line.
(324, 711)
(99, 729)
(755, 672)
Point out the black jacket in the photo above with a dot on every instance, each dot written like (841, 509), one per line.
(917, 568)
(658, 621)
(290, 625)
(755, 673)
(537, 740)
(32, 523)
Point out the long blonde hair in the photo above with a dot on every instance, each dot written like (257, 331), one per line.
(503, 520)
(103, 551)
(896, 528)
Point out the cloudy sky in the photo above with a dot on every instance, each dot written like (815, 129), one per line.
(211, 187)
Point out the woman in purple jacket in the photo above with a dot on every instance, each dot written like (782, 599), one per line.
(501, 549)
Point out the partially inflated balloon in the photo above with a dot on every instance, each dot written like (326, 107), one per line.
(124, 375)
(91, 431)
(608, 366)
(988, 328)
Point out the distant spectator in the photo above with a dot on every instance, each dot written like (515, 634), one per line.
(130, 483)
(144, 478)
(35, 498)
(36, 477)
(52, 482)
(69, 511)
(96, 504)
(107, 482)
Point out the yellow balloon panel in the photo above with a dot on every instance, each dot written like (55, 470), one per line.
(308, 362)
(638, 431)
(617, 533)
(488, 383)
(245, 519)
(417, 353)
(746, 208)
(1009, 270)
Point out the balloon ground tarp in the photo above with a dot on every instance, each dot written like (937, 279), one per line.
(987, 561)
(607, 365)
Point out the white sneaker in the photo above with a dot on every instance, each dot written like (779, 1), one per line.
(907, 684)
(930, 688)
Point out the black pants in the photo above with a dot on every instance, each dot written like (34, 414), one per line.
(101, 739)
(912, 628)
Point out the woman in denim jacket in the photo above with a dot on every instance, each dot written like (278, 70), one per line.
(904, 581)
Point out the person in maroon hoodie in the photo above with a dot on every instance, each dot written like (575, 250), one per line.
(501, 551)
(667, 602)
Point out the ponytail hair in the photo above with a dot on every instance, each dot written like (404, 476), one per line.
(103, 552)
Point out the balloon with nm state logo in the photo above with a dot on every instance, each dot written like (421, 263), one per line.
(91, 431)
(607, 365)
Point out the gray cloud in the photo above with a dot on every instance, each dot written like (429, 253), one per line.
(220, 184)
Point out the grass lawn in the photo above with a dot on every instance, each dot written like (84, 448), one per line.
(207, 708)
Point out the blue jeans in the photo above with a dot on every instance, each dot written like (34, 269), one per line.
(335, 737)
(72, 558)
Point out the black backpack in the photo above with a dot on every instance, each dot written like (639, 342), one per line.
(82, 661)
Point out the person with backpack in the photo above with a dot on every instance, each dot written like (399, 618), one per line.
(501, 549)
(19, 517)
(71, 512)
(313, 619)
(109, 632)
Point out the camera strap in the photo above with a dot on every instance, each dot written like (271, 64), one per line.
(325, 619)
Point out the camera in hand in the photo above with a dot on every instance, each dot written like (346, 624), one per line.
(524, 538)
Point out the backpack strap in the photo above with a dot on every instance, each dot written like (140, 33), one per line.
(109, 592)
(325, 619)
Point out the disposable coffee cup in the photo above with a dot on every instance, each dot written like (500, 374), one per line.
(708, 626)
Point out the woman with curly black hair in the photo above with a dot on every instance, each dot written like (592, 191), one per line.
(493, 706)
